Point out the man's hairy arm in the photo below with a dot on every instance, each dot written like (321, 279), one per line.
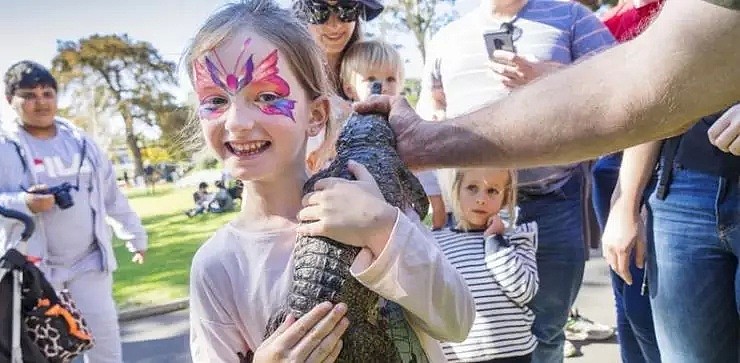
(681, 68)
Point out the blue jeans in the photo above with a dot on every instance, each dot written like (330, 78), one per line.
(560, 262)
(693, 271)
(635, 330)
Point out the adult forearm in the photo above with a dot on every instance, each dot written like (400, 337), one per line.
(635, 172)
(682, 68)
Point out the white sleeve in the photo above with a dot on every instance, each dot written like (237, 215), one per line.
(431, 79)
(428, 180)
(127, 224)
(11, 195)
(413, 272)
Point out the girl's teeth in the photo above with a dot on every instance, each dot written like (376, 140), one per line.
(248, 148)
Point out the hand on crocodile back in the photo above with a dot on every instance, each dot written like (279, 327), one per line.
(315, 337)
(369, 221)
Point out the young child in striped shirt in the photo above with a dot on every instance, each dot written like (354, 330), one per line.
(497, 261)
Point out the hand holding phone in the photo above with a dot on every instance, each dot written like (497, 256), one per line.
(499, 40)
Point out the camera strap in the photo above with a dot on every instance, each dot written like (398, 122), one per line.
(83, 151)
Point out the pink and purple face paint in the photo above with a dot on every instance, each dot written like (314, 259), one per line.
(256, 80)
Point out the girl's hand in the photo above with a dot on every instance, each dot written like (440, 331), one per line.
(495, 226)
(351, 212)
(315, 337)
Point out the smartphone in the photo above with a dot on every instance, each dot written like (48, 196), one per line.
(499, 40)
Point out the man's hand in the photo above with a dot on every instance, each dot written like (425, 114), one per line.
(517, 71)
(725, 133)
(39, 203)
(404, 121)
(138, 257)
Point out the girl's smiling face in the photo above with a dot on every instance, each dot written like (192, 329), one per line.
(253, 111)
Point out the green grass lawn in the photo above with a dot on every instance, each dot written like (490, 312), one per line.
(173, 239)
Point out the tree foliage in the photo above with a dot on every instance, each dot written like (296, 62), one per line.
(420, 17)
(131, 75)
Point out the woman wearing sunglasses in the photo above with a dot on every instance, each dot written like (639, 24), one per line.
(335, 25)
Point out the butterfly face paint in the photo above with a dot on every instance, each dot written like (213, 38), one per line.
(262, 84)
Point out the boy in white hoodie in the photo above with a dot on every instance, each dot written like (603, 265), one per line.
(72, 240)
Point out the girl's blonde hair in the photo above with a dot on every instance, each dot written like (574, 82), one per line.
(451, 183)
(279, 26)
(355, 38)
(367, 56)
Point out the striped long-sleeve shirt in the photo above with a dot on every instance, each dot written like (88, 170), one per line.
(502, 276)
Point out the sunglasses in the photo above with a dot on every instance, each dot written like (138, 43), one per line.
(318, 12)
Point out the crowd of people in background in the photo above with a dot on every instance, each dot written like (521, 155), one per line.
(493, 278)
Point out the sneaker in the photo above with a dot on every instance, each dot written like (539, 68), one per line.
(581, 328)
(569, 350)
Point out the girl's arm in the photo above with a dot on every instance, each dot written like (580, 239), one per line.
(214, 337)
(400, 259)
(412, 271)
(514, 266)
(624, 229)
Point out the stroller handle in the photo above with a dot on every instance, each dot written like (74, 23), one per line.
(28, 225)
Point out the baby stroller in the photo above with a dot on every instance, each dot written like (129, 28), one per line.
(36, 324)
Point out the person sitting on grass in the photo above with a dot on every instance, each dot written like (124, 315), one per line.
(222, 200)
(201, 198)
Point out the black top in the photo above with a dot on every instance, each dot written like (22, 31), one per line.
(695, 152)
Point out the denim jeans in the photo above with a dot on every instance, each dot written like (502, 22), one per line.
(693, 274)
(635, 330)
(560, 263)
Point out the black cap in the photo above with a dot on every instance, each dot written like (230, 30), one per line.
(373, 8)
(27, 74)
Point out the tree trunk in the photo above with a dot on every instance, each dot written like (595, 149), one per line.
(422, 48)
(131, 141)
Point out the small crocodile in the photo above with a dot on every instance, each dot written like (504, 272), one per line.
(321, 265)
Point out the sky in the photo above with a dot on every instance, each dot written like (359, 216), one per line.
(29, 29)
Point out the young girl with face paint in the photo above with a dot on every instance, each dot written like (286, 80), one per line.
(262, 91)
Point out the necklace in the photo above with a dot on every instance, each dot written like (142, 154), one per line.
(510, 28)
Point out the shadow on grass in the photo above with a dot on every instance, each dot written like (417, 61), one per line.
(173, 240)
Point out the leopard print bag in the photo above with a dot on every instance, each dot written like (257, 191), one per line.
(54, 326)
(58, 329)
